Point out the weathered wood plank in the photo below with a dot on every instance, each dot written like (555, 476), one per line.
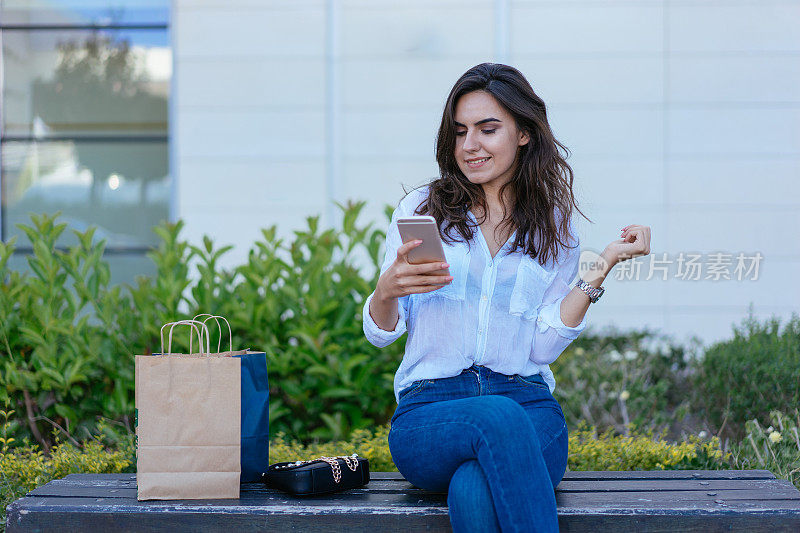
(393, 481)
(778, 507)
(73, 515)
(668, 474)
(570, 503)
(215, 520)
(666, 486)
(602, 499)
(570, 475)
(696, 523)
(366, 500)
(663, 489)
(634, 474)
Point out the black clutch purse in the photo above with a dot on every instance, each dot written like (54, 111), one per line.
(318, 476)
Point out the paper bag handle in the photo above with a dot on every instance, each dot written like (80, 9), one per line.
(196, 330)
(203, 329)
(230, 333)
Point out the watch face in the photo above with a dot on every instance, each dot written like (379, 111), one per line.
(600, 292)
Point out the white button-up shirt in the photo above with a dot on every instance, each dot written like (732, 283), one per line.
(502, 312)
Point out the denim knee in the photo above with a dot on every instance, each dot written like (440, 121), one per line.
(469, 500)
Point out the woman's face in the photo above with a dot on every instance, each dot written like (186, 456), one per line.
(487, 140)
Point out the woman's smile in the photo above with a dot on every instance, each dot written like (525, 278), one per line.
(477, 163)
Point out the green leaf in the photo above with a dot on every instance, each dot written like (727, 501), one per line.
(338, 392)
(66, 412)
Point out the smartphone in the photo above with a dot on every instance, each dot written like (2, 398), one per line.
(423, 228)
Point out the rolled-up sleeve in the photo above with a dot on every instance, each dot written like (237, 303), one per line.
(376, 336)
(553, 336)
(380, 337)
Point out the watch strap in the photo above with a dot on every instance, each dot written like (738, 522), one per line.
(594, 293)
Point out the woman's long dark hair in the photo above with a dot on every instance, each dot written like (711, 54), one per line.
(541, 185)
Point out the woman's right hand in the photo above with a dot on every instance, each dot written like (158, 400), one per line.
(403, 278)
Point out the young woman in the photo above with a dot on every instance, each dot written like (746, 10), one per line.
(476, 417)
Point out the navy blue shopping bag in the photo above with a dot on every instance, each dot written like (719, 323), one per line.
(255, 416)
(255, 404)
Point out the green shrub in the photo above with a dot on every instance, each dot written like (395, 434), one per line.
(612, 379)
(68, 338)
(641, 450)
(25, 467)
(775, 448)
(749, 376)
(302, 303)
(588, 450)
(373, 445)
(62, 364)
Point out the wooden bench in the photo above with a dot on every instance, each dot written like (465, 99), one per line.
(720, 500)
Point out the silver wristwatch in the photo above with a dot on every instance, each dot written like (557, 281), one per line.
(593, 293)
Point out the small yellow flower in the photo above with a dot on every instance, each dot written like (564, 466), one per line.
(624, 395)
(775, 436)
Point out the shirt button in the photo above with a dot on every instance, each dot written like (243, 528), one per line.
(484, 298)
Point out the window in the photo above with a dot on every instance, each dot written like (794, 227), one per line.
(85, 92)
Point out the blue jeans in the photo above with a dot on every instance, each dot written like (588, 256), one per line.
(496, 444)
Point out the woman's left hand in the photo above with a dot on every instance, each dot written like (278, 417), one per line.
(634, 242)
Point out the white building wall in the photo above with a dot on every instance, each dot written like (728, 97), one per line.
(250, 117)
(680, 115)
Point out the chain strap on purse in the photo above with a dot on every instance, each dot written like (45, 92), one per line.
(350, 460)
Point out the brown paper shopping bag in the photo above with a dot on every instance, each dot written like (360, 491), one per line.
(188, 422)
